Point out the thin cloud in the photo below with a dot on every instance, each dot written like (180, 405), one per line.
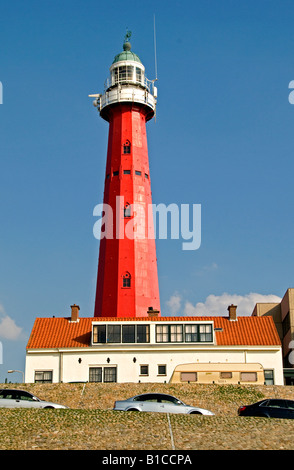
(174, 304)
(215, 305)
(8, 328)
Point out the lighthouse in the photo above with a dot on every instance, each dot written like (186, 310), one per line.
(127, 280)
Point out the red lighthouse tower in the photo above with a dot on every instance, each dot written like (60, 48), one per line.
(127, 282)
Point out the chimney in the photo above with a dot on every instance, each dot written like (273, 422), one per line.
(75, 312)
(152, 313)
(232, 312)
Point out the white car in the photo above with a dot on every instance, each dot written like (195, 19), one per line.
(13, 398)
(158, 402)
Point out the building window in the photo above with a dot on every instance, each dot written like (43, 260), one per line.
(188, 376)
(143, 334)
(124, 73)
(138, 75)
(127, 210)
(113, 333)
(162, 333)
(176, 333)
(127, 280)
(127, 147)
(162, 369)
(191, 333)
(198, 333)
(121, 334)
(146, 176)
(99, 334)
(128, 333)
(248, 376)
(138, 173)
(115, 173)
(109, 374)
(102, 374)
(127, 172)
(45, 376)
(144, 370)
(205, 333)
(269, 377)
(95, 374)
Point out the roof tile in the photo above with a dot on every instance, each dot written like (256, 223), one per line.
(62, 333)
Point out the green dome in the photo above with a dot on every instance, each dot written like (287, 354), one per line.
(126, 54)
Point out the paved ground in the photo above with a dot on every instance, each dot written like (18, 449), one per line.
(90, 423)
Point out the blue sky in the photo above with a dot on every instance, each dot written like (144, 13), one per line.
(223, 138)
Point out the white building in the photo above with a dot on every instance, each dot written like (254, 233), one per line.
(227, 349)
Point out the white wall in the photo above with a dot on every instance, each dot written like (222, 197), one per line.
(67, 368)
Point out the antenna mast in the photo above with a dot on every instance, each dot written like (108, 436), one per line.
(155, 49)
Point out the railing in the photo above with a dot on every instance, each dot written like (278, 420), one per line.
(148, 84)
(135, 94)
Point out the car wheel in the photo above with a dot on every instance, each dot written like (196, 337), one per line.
(132, 409)
(48, 407)
(195, 413)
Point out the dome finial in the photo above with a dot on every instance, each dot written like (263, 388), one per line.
(127, 44)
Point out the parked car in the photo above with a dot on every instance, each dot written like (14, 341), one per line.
(13, 398)
(269, 408)
(158, 402)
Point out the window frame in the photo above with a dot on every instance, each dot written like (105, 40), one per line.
(142, 373)
(126, 336)
(126, 283)
(44, 372)
(103, 372)
(113, 334)
(100, 332)
(188, 333)
(164, 372)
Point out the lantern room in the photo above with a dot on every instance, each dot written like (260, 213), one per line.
(127, 83)
(127, 68)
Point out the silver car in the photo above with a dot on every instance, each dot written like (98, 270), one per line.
(13, 398)
(158, 402)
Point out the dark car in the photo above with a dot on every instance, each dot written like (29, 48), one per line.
(269, 408)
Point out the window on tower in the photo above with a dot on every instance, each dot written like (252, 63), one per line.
(123, 73)
(127, 210)
(127, 147)
(138, 75)
(127, 280)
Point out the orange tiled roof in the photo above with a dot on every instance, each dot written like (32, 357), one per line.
(62, 333)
